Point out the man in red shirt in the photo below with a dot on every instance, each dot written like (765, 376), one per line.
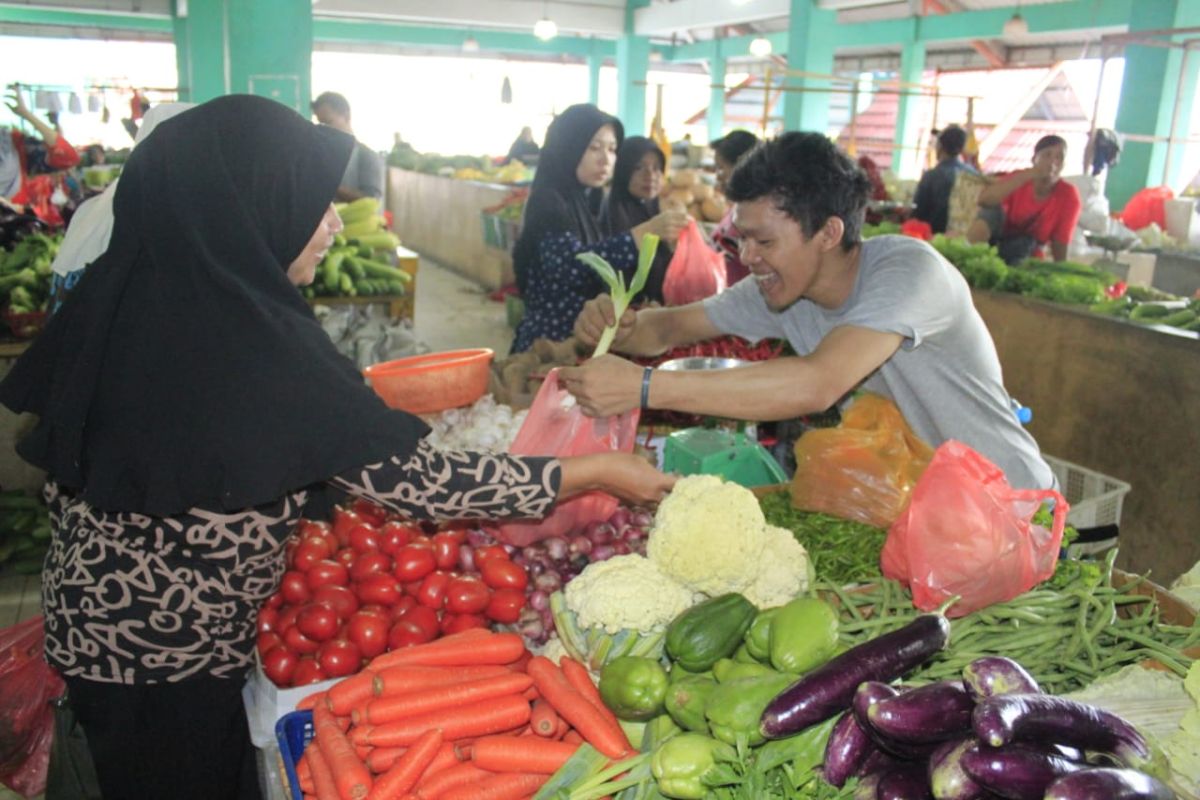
(1025, 210)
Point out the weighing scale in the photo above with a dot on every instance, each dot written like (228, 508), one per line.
(716, 451)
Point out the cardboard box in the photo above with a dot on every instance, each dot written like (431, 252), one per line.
(266, 703)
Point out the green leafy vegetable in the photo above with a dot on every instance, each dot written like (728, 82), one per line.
(842, 551)
(621, 295)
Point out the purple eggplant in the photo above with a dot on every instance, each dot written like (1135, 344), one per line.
(867, 788)
(847, 750)
(904, 782)
(828, 689)
(1043, 718)
(927, 715)
(878, 761)
(869, 694)
(947, 778)
(1016, 772)
(993, 675)
(1108, 784)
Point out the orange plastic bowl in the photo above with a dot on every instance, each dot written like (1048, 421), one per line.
(432, 382)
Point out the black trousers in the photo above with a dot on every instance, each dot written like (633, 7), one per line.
(169, 741)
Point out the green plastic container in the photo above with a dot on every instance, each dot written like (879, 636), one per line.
(711, 451)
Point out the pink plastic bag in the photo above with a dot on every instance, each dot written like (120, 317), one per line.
(696, 270)
(27, 684)
(557, 427)
(967, 532)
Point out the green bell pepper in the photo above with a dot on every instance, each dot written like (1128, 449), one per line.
(634, 687)
(686, 700)
(680, 763)
(758, 638)
(803, 635)
(736, 707)
(727, 670)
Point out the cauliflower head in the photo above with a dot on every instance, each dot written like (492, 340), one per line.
(626, 592)
(785, 570)
(709, 534)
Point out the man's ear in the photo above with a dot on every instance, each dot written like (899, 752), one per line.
(830, 236)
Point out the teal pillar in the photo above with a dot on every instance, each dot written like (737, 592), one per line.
(633, 62)
(594, 62)
(912, 69)
(716, 100)
(221, 49)
(810, 38)
(1148, 100)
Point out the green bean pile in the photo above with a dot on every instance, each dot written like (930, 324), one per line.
(1067, 636)
(842, 551)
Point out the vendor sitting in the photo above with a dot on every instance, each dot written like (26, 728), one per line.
(889, 315)
(932, 198)
(1025, 210)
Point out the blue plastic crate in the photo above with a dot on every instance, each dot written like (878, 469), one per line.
(293, 731)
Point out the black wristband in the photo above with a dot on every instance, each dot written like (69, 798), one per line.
(646, 373)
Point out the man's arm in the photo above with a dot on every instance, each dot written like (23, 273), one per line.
(994, 193)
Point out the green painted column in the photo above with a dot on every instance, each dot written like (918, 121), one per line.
(1148, 95)
(633, 62)
(912, 69)
(594, 62)
(810, 38)
(716, 100)
(221, 48)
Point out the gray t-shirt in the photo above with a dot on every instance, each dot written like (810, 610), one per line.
(365, 171)
(945, 378)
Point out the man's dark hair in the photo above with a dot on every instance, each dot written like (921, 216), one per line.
(733, 145)
(1051, 140)
(809, 179)
(336, 102)
(952, 140)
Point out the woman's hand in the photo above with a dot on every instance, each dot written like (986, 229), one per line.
(16, 103)
(666, 226)
(627, 476)
(598, 314)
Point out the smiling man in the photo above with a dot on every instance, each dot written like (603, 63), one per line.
(889, 315)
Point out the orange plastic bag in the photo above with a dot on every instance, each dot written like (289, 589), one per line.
(556, 426)
(865, 468)
(27, 685)
(968, 533)
(696, 270)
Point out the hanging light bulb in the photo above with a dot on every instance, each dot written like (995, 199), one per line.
(545, 29)
(760, 47)
(470, 45)
(1016, 25)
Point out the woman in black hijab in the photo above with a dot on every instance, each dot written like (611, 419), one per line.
(576, 161)
(188, 401)
(633, 200)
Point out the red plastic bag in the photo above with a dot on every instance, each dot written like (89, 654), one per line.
(968, 533)
(27, 685)
(1145, 207)
(696, 270)
(557, 427)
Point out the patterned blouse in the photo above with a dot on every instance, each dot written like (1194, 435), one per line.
(561, 284)
(134, 599)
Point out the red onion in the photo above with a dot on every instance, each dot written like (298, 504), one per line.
(642, 520)
(535, 568)
(621, 549)
(530, 553)
(539, 601)
(581, 544)
(602, 552)
(556, 548)
(466, 558)
(620, 518)
(549, 581)
(479, 538)
(601, 533)
(634, 538)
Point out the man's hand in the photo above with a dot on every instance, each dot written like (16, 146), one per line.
(599, 314)
(605, 386)
(16, 103)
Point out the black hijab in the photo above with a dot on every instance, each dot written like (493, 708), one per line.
(185, 371)
(623, 211)
(558, 202)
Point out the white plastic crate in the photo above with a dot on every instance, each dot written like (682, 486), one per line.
(1095, 498)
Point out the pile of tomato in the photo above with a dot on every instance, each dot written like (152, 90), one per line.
(365, 583)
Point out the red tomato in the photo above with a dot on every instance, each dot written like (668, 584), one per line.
(339, 598)
(393, 536)
(417, 626)
(504, 574)
(370, 511)
(487, 553)
(346, 557)
(506, 605)
(266, 640)
(381, 589)
(318, 622)
(339, 657)
(294, 588)
(268, 620)
(433, 590)
(343, 520)
(287, 617)
(457, 623)
(376, 609)
(297, 642)
(420, 540)
(370, 564)
(327, 572)
(414, 562)
(310, 528)
(369, 632)
(364, 538)
(308, 553)
(280, 664)
(307, 671)
(445, 550)
(274, 601)
(424, 617)
(467, 596)
(403, 605)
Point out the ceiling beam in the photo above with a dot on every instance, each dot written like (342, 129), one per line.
(328, 31)
(585, 18)
(152, 23)
(985, 49)
(663, 19)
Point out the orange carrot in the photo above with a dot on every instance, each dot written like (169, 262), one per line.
(393, 657)
(531, 694)
(403, 775)
(404, 679)
(506, 754)
(310, 700)
(323, 786)
(350, 774)
(400, 706)
(303, 770)
(362, 751)
(561, 730)
(572, 736)
(542, 719)
(380, 758)
(447, 756)
(490, 716)
(510, 786)
(577, 675)
(494, 648)
(345, 695)
(436, 784)
(576, 709)
(521, 663)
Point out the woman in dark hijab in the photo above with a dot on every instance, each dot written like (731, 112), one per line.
(633, 200)
(727, 152)
(188, 401)
(576, 161)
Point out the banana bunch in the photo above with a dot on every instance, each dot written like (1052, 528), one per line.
(358, 263)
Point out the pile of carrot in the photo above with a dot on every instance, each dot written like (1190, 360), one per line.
(469, 716)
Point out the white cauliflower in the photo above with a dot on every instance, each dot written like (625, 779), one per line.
(625, 592)
(785, 570)
(709, 534)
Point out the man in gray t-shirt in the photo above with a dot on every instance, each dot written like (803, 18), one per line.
(889, 315)
(364, 172)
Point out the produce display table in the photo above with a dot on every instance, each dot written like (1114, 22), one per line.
(399, 306)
